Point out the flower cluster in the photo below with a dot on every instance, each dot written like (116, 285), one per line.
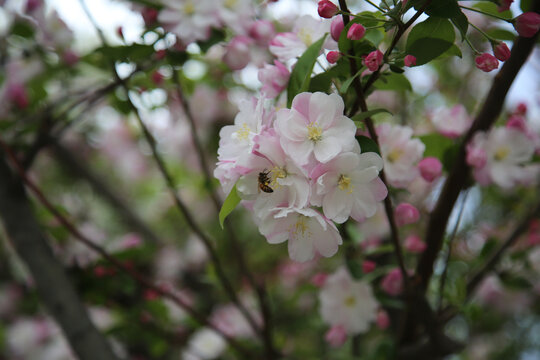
(300, 170)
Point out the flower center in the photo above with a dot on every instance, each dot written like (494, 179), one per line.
(349, 301)
(277, 173)
(394, 155)
(229, 4)
(344, 183)
(501, 153)
(189, 8)
(305, 36)
(314, 132)
(243, 133)
(301, 228)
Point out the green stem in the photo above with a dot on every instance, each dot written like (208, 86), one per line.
(471, 46)
(378, 8)
(485, 13)
(483, 33)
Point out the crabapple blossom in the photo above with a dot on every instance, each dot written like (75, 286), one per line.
(327, 9)
(237, 54)
(348, 185)
(504, 5)
(368, 266)
(373, 60)
(262, 31)
(306, 230)
(392, 283)
(527, 24)
(333, 56)
(406, 214)
(486, 62)
(501, 51)
(414, 244)
(315, 127)
(409, 60)
(336, 336)
(188, 19)
(506, 152)
(348, 303)
(274, 79)
(451, 122)
(430, 168)
(356, 32)
(336, 27)
(383, 320)
(236, 14)
(205, 344)
(400, 153)
(319, 279)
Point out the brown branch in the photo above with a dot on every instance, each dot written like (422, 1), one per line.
(461, 171)
(140, 278)
(52, 283)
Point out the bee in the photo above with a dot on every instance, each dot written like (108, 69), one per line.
(264, 180)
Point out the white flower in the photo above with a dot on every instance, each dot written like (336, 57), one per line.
(401, 154)
(190, 20)
(506, 151)
(315, 127)
(306, 230)
(451, 122)
(346, 302)
(349, 185)
(205, 344)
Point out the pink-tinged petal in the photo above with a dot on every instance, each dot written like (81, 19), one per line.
(370, 159)
(346, 162)
(326, 149)
(378, 189)
(324, 109)
(301, 248)
(301, 104)
(299, 151)
(365, 175)
(293, 128)
(336, 204)
(326, 243)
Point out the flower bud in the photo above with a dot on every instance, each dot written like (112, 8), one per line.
(336, 336)
(333, 56)
(414, 244)
(70, 58)
(406, 214)
(430, 168)
(274, 78)
(237, 54)
(368, 266)
(157, 78)
(501, 51)
(409, 60)
(262, 31)
(17, 94)
(356, 32)
(149, 15)
(336, 27)
(521, 108)
(527, 24)
(476, 157)
(383, 320)
(319, 279)
(374, 60)
(392, 283)
(505, 5)
(486, 62)
(327, 9)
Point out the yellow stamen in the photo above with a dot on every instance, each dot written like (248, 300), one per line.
(300, 228)
(501, 153)
(344, 183)
(275, 174)
(314, 132)
(189, 8)
(350, 301)
(230, 3)
(305, 36)
(243, 133)
(394, 155)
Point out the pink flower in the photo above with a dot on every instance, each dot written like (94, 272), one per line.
(262, 31)
(70, 57)
(149, 15)
(336, 336)
(505, 5)
(476, 156)
(356, 32)
(368, 266)
(486, 62)
(374, 60)
(157, 78)
(32, 5)
(274, 78)
(521, 108)
(327, 9)
(430, 168)
(452, 122)
(517, 122)
(406, 214)
(501, 51)
(527, 24)
(237, 54)
(414, 244)
(383, 320)
(17, 94)
(319, 279)
(392, 283)
(333, 56)
(409, 60)
(336, 27)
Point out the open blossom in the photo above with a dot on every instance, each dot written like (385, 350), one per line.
(348, 303)
(190, 20)
(374, 60)
(315, 127)
(236, 14)
(349, 185)
(451, 122)
(274, 78)
(205, 344)
(306, 230)
(400, 153)
(501, 156)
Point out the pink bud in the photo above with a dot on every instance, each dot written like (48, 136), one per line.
(17, 94)
(157, 77)
(414, 244)
(356, 32)
(336, 27)
(486, 62)
(476, 157)
(160, 54)
(527, 24)
(430, 168)
(327, 9)
(149, 15)
(517, 122)
(368, 266)
(501, 51)
(32, 5)
(333, 56)
(319, 279)
(406, 214)
(409, 60)
(336, 336)
(237, 54)
(373, 60)
(274, 78)
(521, 108)
(262, 31)
(70, 58)
(392, 283)
(505, 5)
(383, 320)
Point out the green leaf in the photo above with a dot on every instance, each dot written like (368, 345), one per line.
(492, 8)
(394, 82)
(443, 8)
(215, 37)
(429, 39)
(502, 34)
(526, 5)
(347, 83)
(229, 205)
(301, 73)
(436, 145)
(367, 145)
(23, 29)
(360, 117)
(460, 21)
